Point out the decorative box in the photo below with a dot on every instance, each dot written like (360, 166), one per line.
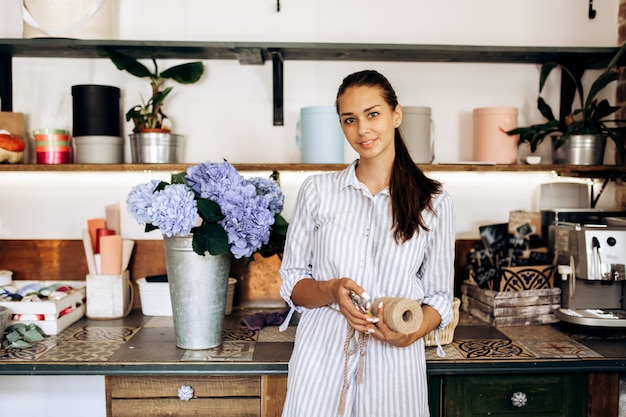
(446, 335)
(51, 316)
(511, 308)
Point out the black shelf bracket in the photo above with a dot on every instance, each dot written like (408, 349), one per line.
(277, 79)
(6, 83)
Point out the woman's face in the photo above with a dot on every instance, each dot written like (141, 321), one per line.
(368, 122)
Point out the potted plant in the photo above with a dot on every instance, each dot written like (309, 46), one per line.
(207, 215)
(586, 127)
(152, 140)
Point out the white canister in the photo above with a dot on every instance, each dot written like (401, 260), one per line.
(490, 141)
(80, 19)
(416, 129)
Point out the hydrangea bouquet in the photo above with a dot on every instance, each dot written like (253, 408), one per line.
(218, 206)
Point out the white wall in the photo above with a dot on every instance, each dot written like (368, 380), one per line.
(229, 113)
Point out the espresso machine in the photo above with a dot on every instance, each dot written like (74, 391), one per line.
(592, 272)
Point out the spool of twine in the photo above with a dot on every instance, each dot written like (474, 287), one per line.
(401, 315)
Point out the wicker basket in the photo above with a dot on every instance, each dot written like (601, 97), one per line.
(447, 333)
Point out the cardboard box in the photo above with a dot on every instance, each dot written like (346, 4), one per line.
(511, 308)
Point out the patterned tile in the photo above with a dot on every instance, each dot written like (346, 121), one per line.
(272, 334)
(563, 349)
(31, 353)
(239, 334)
(82, 352)
(102, 334)
(491, 349)
(228, 351)
(451, 353)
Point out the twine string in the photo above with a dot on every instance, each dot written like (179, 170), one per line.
(350, 347)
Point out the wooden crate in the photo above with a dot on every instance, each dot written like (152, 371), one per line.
(511, 308)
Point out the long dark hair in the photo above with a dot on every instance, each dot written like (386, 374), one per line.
(410, 189)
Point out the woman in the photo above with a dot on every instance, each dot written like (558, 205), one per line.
(378, 228)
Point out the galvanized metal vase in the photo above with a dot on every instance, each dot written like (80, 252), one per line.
(198, 286)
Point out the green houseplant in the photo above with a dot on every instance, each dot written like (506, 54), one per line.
(152, 140)
(591, 118)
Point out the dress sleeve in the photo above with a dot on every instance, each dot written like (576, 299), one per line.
(438, 277)
(297, 258)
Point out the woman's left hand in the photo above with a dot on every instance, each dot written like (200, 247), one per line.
(383, 333)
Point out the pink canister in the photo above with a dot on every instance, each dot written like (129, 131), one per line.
(491, 143)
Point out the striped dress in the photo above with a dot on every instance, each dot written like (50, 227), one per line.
(339, 229)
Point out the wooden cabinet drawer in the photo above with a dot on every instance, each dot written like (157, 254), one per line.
(223, 396)
(546, 395)
(219, 396)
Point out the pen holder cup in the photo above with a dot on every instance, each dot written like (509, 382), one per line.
(109, 296)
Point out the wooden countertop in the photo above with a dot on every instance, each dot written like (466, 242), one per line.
(143, 345)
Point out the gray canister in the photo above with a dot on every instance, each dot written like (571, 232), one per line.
(416, 129)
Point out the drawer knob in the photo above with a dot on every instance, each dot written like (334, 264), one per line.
(519, 399)
(185, 393)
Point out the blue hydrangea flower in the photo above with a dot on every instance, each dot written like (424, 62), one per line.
(248, 208)
(174, 210)
(270, 190)
(139, 201)
(210, 180)
(247, 220)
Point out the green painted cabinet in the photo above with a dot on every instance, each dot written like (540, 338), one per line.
(537, 395)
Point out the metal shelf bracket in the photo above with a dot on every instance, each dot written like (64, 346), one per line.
(277, 79)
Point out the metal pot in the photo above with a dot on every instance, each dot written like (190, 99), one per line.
(580, 150)
(156, 148)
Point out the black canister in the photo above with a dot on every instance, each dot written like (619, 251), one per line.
(96, 110)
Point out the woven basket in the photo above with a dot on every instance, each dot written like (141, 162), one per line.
(447, 333)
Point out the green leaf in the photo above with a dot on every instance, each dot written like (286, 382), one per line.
(19, 344)
(33, 335)
(125, 62)
(19, 327)
(12, 336)
(187, 73)
(599, 84)
(209, 210)
(179, 178)
(545, 109)
(546, 69)
(209, 237)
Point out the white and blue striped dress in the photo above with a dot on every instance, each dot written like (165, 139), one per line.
(339, 229)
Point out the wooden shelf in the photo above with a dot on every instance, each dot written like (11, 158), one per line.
(257, 53)
(250, 52)
(589, 171)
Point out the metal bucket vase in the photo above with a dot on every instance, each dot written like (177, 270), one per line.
(198, 287)
(581, 150)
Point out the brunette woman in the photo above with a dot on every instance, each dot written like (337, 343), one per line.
(378, 228)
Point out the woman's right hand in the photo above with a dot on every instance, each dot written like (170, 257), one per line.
(358, 320)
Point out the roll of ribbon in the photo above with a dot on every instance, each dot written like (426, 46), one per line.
(401, 315)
